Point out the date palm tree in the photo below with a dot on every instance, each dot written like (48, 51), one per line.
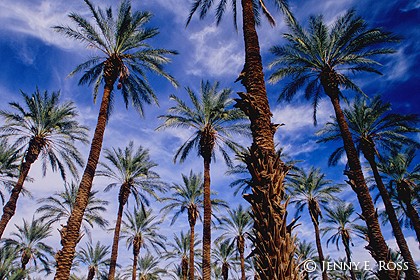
(267, 170)
(148, 268)
(28, 242)
(187, 197)
(341, 226)
(9, 270)
(372, 129)
(304, 252)
(396, 168)
(124, 55)
(236, 228)
(95, 257)
(9, 166)
(141, 229)
(213, 122)
(46, 128)
(224, 255)
(312, 190)
(320, 60)
(57, 208)
(131, 170)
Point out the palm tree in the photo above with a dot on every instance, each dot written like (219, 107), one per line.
(265, 167)
(181, 249)
(148, 268)
(8, 268)
(372, 129)
(236, 227)
(312, 190)
(304, 252)
(58, 207)
(397, 171)
(342, 226)
(28, 242)
(44, 128)
(126, 56)
(96, 258)
(321, 59)
(141, 230)
(213, 122)
(224, 254)
(188, 196)
(131, 170)
(9, 166)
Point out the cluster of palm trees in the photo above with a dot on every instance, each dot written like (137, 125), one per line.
(319, 59)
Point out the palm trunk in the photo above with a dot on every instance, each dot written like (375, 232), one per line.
(136, 252)
(184, 267)
(274, 245)
(412, 272)
(404, 194)
(70, 233)
(191, 220)
(241, 248)
(9, 209)
(122, 199)
(346, 244)
(91, 273)
(225, 271)
(319, 247)
(377, 246)
(206, 222)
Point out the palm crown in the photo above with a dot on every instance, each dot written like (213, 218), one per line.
(326, 54)
(125, 53)
(95, 257)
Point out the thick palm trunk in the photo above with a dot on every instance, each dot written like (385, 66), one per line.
(122, 200)
(319, 248)
(191, 220)
(70, 233)
(206, 222)
(9, 209)
(377, 246)
(404, 194)
(412, 272)
(241, 248)
(91, 273)
(273, 243)
(346, 244)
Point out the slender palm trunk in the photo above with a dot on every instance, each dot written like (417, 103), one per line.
(206, 222)
(191, 220)
(377, 245)
(184, 267)
(9, 209)
(122, 199)
(91, 273)
(404, 194)
(136, 252)
(70, 233)
(274, 246)
(346, 244)
(241, 248)
(319, 247)
(412, 272)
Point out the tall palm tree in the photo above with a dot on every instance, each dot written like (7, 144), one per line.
(43, 127)
(29, 243)
(58, 207)
(213, 122)
(187, 196)
(125, 56)
(96, 258)
(224, 255)
(341, 226)
(141, 229)
(372, 129)
(236, 228)
(180, 249)
(405, 181)
(9, 166)
(267, 170)
(131, 170)
(321, 59)
(312, 190)
(148, 268)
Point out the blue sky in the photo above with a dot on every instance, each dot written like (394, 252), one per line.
(32, 54)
